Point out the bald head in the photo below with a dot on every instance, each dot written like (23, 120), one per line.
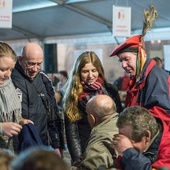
(101, 105)
(99, 108)
(31, 49)
(31, 59)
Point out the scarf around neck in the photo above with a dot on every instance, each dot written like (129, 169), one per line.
(10, 105)
(90, 90)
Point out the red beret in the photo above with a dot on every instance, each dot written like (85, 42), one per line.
(131, 44)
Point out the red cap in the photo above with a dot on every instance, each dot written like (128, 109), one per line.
(131, 44)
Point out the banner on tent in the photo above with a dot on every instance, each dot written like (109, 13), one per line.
(6, 13)
(121, 21)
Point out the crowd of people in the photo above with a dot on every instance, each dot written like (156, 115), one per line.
(85, 112)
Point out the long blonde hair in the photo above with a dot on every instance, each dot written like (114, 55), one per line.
(74, 87)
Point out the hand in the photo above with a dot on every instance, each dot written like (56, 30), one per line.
(57, 96)
(120, 143)
(122, 95)
(77, 163)
(10, 128)
(57, 151)
(25, 121)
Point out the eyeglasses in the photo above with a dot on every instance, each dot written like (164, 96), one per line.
(32, 64)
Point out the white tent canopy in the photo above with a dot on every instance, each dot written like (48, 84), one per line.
(42, 19)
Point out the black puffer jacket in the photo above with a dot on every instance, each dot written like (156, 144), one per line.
(38, 104)
(78, 133)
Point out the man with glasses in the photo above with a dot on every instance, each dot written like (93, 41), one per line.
(149, 85)
(37, 95)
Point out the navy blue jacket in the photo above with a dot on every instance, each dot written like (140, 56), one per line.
(29, 137)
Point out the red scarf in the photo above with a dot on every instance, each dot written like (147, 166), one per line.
(91, 90)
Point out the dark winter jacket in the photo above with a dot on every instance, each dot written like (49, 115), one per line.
(28, 137)
(152, 90)
(38, 104)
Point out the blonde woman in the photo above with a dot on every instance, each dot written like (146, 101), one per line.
(10, 105)
(85, 81)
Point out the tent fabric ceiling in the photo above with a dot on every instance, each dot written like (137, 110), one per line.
(76, 18)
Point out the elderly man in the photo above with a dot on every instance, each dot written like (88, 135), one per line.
(149, 85)
(102, 117)
(142, 142)
(37, 94)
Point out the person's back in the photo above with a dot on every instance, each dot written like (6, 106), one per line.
(6, 158)
(102, 117)
(38, 159)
